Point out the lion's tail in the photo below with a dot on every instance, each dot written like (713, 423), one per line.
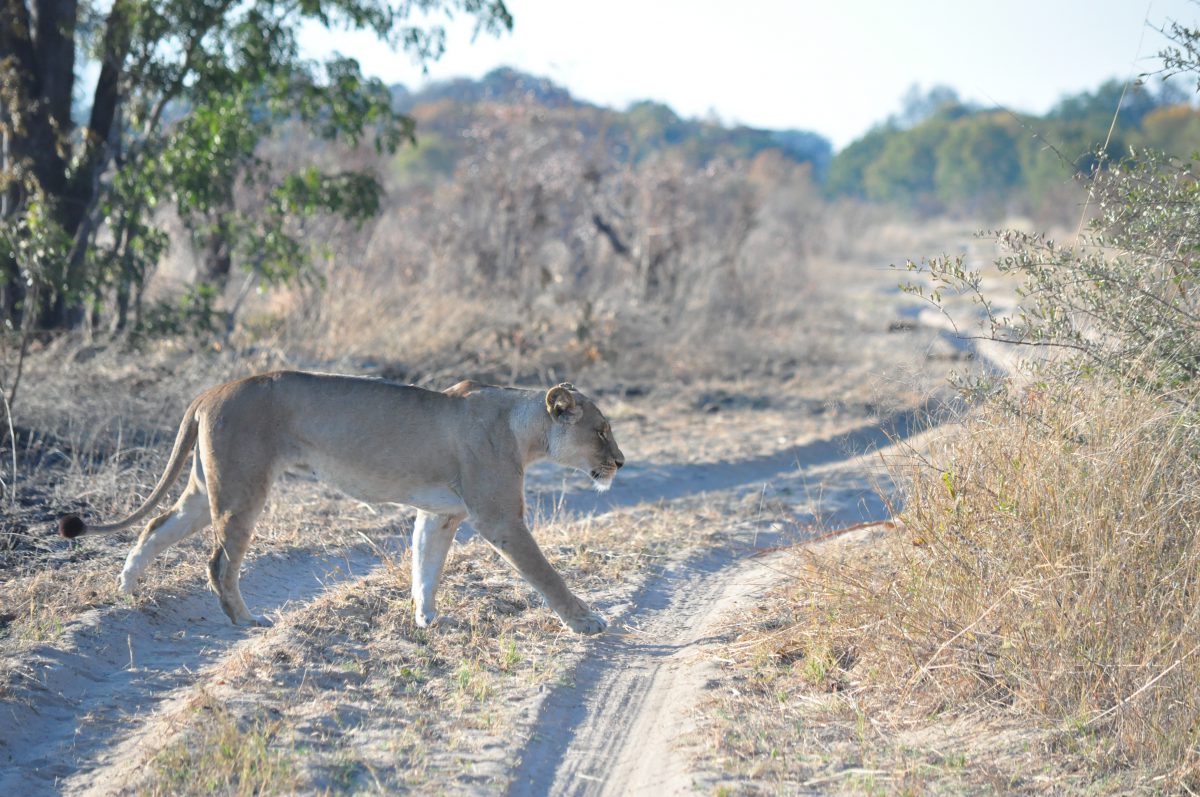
(71, 526)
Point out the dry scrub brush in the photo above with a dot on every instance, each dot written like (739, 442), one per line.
(1051, 565)
(543, 254)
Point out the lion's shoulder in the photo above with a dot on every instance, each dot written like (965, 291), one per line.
(464, 388)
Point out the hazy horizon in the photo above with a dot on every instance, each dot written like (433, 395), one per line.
(855, 62)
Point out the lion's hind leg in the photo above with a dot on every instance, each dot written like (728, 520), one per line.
(240, 467)
(233, 533)
(189, 515)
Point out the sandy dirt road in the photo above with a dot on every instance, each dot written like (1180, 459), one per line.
(90, 692)
(92, 706)
(622, 724)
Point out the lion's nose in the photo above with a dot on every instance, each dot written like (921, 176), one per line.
(620, 460)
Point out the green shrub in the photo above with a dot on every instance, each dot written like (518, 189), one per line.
(1124, 300)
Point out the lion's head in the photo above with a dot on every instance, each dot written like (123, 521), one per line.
(580, 436)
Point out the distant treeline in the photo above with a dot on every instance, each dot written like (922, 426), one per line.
(939, 153)
(643, 130)
(944, 154)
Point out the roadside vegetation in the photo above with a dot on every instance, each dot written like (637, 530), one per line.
(1030, 621)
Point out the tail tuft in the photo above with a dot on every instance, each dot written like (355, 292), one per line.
(71, 526)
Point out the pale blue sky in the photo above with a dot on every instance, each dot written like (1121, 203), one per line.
(832, 67)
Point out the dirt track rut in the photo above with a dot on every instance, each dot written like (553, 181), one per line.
(118, 664)
(620, 727)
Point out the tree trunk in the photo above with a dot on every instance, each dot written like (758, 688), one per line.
(37, 50)
(216, 260)
(12, 285)
(123, 295)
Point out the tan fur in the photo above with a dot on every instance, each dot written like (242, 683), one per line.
(451, 455)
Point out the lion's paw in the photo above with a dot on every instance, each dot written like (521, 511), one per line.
(590, 623)
(254, 621)
(127, 584)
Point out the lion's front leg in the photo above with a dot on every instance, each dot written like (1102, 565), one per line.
(511, 537)
(432, 537)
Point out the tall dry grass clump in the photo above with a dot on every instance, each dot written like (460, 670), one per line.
(1054, 567)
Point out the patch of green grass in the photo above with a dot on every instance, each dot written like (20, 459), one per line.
(39, 627)
(510, 657)
(224, 754)
(473, 681)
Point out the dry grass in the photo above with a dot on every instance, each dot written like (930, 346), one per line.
(1060, 570)
(225, 755)
(1045, 580)
(799, 708)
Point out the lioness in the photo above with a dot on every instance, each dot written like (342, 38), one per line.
(452, 454)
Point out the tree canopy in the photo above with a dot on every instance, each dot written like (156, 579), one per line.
(186, 92)
(940, 154)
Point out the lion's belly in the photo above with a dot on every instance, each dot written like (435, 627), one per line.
(375, 487)
(435, 499)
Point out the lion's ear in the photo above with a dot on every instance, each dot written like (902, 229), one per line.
(561, 404)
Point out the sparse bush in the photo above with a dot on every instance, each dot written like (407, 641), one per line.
(541, 258)
(1123, 300)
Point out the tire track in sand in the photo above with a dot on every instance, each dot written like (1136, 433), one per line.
(100, 683)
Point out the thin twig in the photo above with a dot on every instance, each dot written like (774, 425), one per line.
(1125, 701)
(12, 436)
